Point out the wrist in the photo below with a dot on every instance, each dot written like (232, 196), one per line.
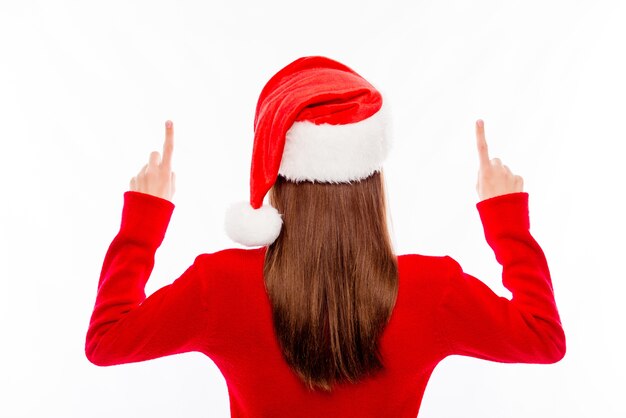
(145, 217)
(504, 213)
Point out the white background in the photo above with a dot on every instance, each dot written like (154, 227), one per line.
(85, 88)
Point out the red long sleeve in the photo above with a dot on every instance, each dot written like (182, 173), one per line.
(219, 306)
(125, 326)
(476, 322)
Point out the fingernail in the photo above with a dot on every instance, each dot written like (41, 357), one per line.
(479, 122)
(168, 124)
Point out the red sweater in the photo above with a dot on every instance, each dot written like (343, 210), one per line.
(219, 307)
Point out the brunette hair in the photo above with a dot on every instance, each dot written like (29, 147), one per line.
(332, 278)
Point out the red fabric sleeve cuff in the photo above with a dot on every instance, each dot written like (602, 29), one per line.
(504, 213)
(145, 217)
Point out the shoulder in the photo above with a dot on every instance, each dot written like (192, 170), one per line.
(231, 254)
(231, 259)
(426, 264)
(230, 266)
(426, 273)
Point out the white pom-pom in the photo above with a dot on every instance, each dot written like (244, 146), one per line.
(253, 227)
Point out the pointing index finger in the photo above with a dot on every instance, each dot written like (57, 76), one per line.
(168, 146)
(481, 143)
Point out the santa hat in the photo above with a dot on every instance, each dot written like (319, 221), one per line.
(316, 120)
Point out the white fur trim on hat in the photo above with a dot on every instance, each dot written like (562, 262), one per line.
(336, 153)
(253, 227)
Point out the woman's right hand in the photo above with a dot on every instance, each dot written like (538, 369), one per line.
(494, 178)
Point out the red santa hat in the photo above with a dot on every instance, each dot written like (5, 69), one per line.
(316, 120)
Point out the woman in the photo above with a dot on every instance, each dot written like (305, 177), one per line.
(322, 319)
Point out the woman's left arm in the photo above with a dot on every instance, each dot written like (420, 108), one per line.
(126, 327)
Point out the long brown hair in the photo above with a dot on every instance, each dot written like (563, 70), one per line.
(332, 278)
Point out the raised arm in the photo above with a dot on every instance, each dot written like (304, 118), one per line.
(126, 326)
(474, 320)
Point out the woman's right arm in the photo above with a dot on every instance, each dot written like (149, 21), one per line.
(473, 320)
(476, 322)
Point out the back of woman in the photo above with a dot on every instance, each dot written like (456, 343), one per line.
(323, 318)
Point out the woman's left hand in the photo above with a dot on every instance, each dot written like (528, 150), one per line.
(156, 177)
